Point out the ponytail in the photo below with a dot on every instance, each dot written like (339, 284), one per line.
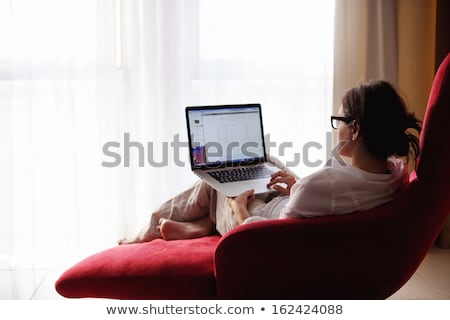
(406, 141)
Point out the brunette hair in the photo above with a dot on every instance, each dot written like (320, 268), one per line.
(383, 119)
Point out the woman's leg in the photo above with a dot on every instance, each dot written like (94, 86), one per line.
(225, 220)
(192, 207)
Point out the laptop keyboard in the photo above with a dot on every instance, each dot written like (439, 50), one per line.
(240, 174)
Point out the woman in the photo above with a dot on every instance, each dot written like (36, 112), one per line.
(372, 125)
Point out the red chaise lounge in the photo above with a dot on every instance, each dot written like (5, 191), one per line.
(368, 255)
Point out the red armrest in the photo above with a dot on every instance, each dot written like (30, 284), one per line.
(289, 259)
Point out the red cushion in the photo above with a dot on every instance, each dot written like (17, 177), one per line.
(181, 269)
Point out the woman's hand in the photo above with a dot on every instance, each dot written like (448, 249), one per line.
(239, 205)
(282, 177)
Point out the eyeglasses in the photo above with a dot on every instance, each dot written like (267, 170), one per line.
(335, 121)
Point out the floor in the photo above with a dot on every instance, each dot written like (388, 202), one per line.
(431, 281)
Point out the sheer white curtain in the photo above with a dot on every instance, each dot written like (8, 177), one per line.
(366, 43)
(92, 97)
(278, 53)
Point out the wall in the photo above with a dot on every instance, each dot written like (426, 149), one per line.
(416, 51)
(442, 49)
(442, 31)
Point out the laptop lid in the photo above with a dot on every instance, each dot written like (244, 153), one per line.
(225, 135)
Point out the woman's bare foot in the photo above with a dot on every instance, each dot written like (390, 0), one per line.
(149, 233)
(174, 230)
(147, 238)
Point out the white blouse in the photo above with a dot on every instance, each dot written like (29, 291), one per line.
(334, 190)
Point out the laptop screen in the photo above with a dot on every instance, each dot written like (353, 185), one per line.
(225, 135)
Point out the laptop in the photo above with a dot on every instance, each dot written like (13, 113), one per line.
(227, 147)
